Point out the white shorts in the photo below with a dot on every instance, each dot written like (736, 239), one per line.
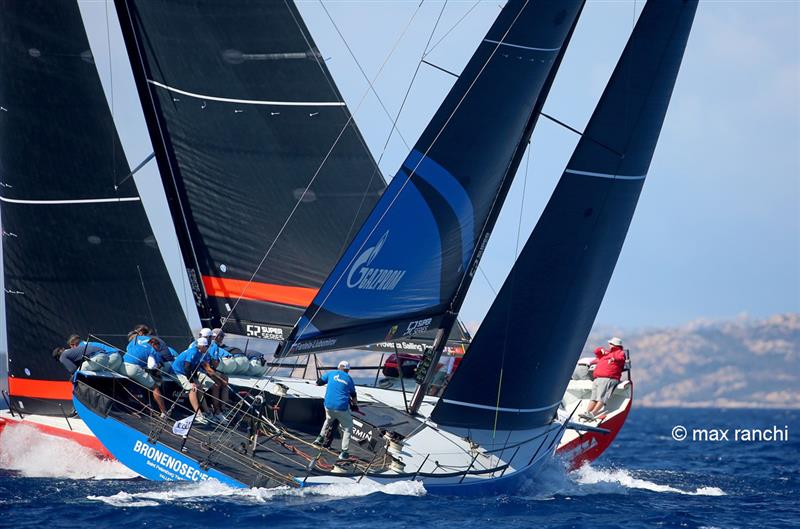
(138, 374)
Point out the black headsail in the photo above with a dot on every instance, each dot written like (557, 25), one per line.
(408, 267)
(551, 297)
(243, 113)
(79, 255)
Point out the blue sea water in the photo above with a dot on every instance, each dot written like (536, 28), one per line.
(646, 479)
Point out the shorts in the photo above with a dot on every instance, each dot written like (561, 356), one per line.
(602, 388)
(102, 362)
(138, 374)
(204, 382)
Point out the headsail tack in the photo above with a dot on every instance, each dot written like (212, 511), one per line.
(551, 297)
(409, 265)
(79, 255)
(243, 113)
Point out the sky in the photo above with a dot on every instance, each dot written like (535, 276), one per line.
(717, 229)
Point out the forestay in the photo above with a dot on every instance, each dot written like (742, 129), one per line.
(412, 260)
(79, 255)
(519, 363)
(243, 114)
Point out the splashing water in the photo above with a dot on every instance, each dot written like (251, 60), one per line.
(614, 480)
(33, 454)
(181, 492)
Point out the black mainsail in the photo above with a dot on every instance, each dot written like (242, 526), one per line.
(79, 255)
(243, 113)
(410, 264)
(552, 295)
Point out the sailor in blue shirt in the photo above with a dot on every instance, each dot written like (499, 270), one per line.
(108, 360)
(84, 357)
(190, 364)
(138, 359)
(341, 389)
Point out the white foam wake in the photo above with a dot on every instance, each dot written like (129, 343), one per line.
(182, 492)
(34, 454)
(619, 478)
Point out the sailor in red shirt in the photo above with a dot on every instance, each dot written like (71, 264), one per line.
(607, 372)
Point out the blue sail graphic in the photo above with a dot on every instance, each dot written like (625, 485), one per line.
(415, 253)
(518, 366)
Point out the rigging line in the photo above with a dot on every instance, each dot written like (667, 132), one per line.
(579, 133)
(147, 299)
(452, 28)
(326, 74)
(112, 133)
(440, 68)
(413, 172)
(408, 89)
(361, 69)
(319, 169)
(135, 170)
(513, 280)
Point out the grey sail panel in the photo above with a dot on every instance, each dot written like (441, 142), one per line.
(243, 113)
(520, 361)
(79, 255)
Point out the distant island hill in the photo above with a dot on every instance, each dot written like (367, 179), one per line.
(739, 363)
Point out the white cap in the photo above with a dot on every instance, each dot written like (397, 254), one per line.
(205, 332)
(344, 365)
(202, 342)
(616, 342)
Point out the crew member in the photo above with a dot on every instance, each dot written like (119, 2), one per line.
(338, 395)
(223, 364)
(111, 361)
(607, 372)
(166, 354)
(86, 357)
(138, 359)
(193, 364)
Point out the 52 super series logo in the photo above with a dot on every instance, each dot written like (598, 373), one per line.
(365, 277)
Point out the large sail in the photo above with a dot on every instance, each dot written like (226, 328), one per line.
(79, 255)
(551, 297)
(407, 269)
(243, 114)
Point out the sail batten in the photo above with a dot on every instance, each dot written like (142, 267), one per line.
(551, 296)
(411, 263)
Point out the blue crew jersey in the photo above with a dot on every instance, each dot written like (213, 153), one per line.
(340, 388)
(106, 348)
(186, 363)
(137, 354)
(217, 352)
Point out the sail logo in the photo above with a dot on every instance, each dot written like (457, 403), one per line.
(365, 277)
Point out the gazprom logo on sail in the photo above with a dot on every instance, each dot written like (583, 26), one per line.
(365, 277)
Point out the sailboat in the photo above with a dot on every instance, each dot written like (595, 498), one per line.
(496, 422)
(76, 239)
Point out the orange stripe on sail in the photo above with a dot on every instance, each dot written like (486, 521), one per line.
(42, 389)
(232, 288)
